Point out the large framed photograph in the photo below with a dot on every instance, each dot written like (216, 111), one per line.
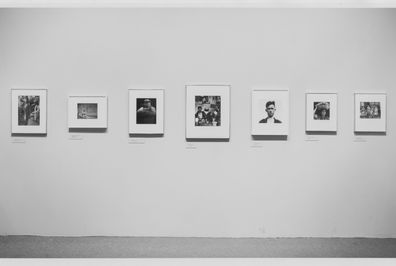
(208, 112)
(87, 112)
(146, 111)
(321, 111)
(29, 111)
(370, 112)
(270, 112)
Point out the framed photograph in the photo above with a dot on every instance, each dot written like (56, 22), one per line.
(370, 112)
(146, 111)
(87, 112)
(208, 111)
(321, 111)
(270, 112)
(29, 111)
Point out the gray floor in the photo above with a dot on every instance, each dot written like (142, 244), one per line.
(167, 247)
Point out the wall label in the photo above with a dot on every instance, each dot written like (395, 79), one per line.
(137, 141)
(191, 146)
(256, 145)
(18, 141)
(312, 138)
(360, 139)
(76, 137)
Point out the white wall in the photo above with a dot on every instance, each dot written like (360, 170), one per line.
(102, 185)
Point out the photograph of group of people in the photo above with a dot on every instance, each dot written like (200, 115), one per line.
(207, 110)
(370, 110)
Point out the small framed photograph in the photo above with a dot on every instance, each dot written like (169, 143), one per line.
(321, 111)
(208, 112)
(370, 112)
(270, 112)
(29, 111)
(87, 112)
(146, 111)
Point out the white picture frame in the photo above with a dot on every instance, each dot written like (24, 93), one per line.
(146, 111)
(370, 112)
(267, 102)
(87, 111)
(321, 109)
(215, 103)
(29, 111)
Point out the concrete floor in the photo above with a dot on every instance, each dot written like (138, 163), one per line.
(169, 247)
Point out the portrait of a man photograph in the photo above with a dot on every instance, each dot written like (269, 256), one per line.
(146, 111)
(270, 109)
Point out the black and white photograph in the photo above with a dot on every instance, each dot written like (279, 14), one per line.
(29, 110)
(370, 110)
(207, 111)
(321, 110)
(270, 112)
(270, 109)
(146, 112)
(87, 111)
(198, 132)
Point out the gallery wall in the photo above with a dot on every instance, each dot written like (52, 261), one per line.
(107, 183)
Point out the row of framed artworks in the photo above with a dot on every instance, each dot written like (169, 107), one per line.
(207, 111)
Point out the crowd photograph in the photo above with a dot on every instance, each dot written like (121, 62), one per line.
(207, 110)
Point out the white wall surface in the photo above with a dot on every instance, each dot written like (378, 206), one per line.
(342, 185)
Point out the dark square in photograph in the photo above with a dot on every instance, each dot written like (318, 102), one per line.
(270, 109)
(146, 110)
(28, 110)
(207, 110)
(321, 110)
(370, 110)
(87, 111)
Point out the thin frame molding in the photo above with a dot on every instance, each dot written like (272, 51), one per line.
(46, 115)
(306, 110)
(354, 110)
(215, 84)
